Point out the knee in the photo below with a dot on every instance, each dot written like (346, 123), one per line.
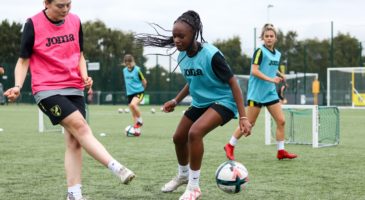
(81, 127)
(280, 122)
(194, 136)
(133, 106)
(73, 144)
(178, 140)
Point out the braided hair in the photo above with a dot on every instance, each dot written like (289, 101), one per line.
(158, 40)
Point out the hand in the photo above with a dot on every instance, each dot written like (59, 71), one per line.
(90, 91)
(245, 127)
(12, 94)
(169, 106)
(88, 82)
(277, 80)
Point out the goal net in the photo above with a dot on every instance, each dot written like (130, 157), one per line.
(346, 86)
(306, 124)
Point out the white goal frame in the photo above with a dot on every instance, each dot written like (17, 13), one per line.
(315, 123)
(343, 69)
(41, 126)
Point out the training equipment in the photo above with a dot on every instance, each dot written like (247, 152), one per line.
(306, 124)
(231, 177)
(130, 131)
(346, 86)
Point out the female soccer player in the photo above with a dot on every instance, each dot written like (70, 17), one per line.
(215, 98)
(135, 84)
(52, 46)
(262, 92)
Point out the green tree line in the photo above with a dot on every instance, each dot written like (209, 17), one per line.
(108, 46)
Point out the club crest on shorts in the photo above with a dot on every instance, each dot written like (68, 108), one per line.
(56, 110)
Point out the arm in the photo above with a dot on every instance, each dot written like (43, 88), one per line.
(144, 83)
(88, 81)
(20, 73)
(256, 72)
(170, 105)
(244, 124)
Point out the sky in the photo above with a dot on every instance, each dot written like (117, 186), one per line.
(221, 20)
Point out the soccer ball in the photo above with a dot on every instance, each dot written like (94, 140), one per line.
(120, 110)
(231, 177)
(130, 131)
(153, 110)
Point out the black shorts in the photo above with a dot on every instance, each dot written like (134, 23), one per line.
(138, 95)
(251, 103)
(58, 107)
(193, 113)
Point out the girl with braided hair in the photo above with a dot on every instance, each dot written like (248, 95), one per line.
(216, 97)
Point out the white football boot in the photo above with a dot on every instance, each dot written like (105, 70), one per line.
(191, 193)
(125, 175)
(176, 182)
(71, 197)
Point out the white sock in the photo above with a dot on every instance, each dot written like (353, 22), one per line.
(280, 145)
(233, 141)
(194, 177)
(114, 166)
(183, 170)
(140, 120)
(75, 190)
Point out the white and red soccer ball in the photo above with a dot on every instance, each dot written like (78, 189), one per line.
(231, 177)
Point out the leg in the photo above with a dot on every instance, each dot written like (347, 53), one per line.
(206, 123)
(180, 140)
(278, 115)
(209, 120)
(80, 130)
(73, 160)
(252, 114)
(133, 106)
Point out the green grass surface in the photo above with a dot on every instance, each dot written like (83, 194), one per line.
(31, 163)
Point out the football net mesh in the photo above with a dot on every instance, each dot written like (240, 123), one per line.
(346, 86)
(312, 125)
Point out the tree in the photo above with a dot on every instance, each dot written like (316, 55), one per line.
(108, 47)
(232, 51)
(10, 36)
